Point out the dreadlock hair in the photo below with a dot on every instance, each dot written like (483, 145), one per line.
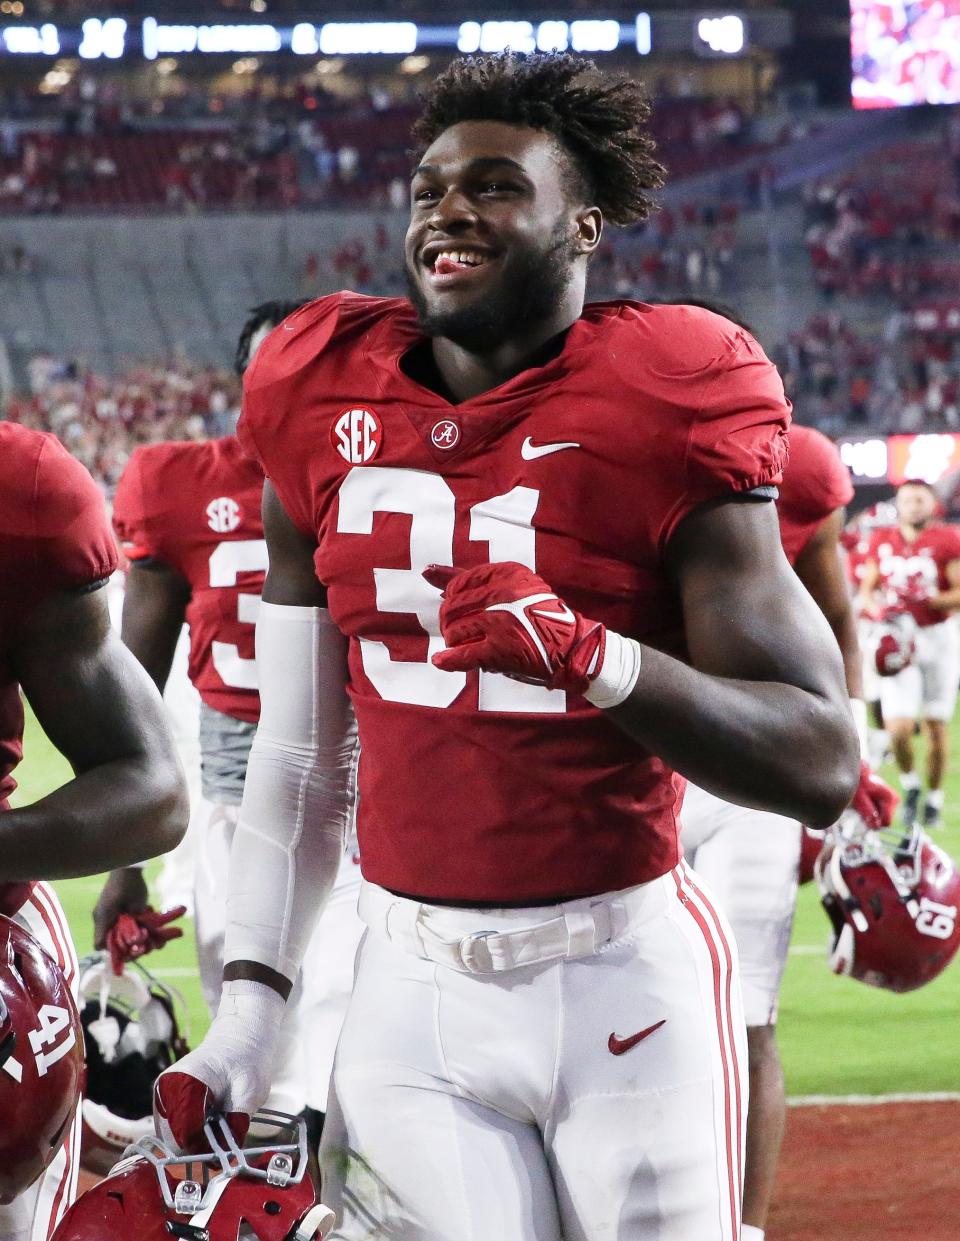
(267, 312)
(600, 119)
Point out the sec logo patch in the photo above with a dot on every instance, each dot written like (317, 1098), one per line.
(445, 434)
(224, 515)
(357, 435)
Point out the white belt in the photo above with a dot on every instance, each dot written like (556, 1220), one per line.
(482, 941)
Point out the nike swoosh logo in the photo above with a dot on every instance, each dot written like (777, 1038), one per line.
(617, 1046)
(531, 451)
(566, 615)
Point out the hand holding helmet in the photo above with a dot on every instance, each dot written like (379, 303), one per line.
(893, 899)
(230, 1072)
(261, 1191)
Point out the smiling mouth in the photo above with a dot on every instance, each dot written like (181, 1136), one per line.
(455, 261)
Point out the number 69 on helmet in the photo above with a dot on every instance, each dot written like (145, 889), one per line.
(893, 898)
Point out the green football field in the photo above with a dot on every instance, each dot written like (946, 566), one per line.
(838, 1037)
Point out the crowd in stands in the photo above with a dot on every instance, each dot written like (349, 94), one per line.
(890, 230)
(102, 419)
(688, 251)
(97, 145)
(846, 382)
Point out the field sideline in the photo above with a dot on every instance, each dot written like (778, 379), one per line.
(838, 1038)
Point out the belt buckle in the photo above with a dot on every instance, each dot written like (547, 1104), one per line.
(468, 946)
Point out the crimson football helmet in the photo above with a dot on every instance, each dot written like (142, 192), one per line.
(132, 1033)
(894, 648)
(258, 1192)
(41, 1059)
(893, 897)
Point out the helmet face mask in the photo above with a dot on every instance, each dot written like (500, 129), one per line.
(893, 899)
(280, 1162)
(260, 1191)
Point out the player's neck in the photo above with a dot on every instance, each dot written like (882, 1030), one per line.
(466, 374)
(910, 532)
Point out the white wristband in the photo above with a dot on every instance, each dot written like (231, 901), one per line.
(618, 673)
(858, 709)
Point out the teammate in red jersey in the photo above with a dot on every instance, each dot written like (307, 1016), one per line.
(126, 799)
(750, 857)
(181, 574)
(545, 1037)
(188, 518)
(914, 568)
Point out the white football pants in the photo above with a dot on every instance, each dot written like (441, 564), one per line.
(590, 1087)
(38, 1210)
(927, 688)
(750, 860)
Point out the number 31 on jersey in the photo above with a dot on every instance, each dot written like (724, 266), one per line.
(504, 523)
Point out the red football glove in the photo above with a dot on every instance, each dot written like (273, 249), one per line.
(874, 801)
(504, 618)
(134, 935)
(182, 1106)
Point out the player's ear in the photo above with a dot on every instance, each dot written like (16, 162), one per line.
(589, 230)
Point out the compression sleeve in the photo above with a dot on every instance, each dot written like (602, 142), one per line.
(299, 791)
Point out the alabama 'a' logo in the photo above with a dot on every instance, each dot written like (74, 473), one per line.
(357, 435)
(445, 434)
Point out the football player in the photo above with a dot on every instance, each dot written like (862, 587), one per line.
(188, 518)
(914, 568)
(750, 857)
(126, 800)
(545, 1036)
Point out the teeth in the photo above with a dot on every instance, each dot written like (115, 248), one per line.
(461, 256)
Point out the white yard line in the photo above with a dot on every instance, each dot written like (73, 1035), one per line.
(871, 1100)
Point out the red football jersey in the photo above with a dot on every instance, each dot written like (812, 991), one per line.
(815, 484)
(54, 535)
(476, 787)
(196, 507)
(911, 572)
(857, 549)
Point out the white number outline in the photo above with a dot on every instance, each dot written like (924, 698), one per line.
(935, 920)
(504, 523)
(228, 560)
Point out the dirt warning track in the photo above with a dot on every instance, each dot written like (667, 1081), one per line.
(886, 1171)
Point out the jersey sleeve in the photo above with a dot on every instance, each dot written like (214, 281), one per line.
(823, 481)
(130, 519)
(74, 544)
(737, 438)
(271, 392)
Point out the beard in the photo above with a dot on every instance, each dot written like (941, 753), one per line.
(529, 289)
